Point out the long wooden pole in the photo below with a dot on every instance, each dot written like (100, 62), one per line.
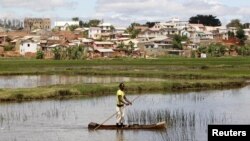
(114, 114)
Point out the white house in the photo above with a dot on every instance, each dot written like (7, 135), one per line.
(153, 32)
(247, 32)
(134, 41)
(86, 42)
(104, 30)
(162, 25)
(120, 30)
(207, 35)
(106, 27)
(195, 37)
(174, 23)
(28, 46)
(197, 27)
(95, 32)
(63, 25)
(223, 29)
(180, 25)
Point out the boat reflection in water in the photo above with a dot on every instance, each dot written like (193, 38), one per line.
(119, 135)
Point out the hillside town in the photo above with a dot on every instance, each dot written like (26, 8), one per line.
(40, 38)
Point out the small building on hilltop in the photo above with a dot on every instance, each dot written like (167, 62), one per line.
(37, 23)
(64, 25)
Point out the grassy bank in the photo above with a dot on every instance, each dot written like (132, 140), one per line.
(89, 90)
(187, 68)
(181, 73)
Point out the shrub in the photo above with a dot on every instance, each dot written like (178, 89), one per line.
(39, 54)
(8, 47)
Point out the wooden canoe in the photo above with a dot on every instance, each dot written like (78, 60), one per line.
(157, 126)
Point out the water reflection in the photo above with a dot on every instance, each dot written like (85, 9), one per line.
(30, 81)
(119, 135)
(187, 117)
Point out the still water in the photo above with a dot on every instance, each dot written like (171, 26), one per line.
(190, 112)
(31, 81)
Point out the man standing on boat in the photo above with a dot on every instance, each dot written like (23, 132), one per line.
(120, 107)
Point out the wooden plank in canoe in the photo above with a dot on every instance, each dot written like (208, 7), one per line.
(157, 126)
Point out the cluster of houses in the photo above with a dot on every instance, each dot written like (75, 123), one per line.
(106, 40)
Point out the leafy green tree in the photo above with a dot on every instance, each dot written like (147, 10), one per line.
(94, 23)
(73, 27)
(177, 45)
(57, 53)
(132, 27)
(235, 23)
(231, 34)
(177, 38)
(131, 47)
(121, 45)
(216, 50)
(202, 49)
(243, 50)
(81, 23)
(90, 23)
(150, 24)
(112, 28)
(177, 41)
(75, 19)
(132, 31)
(207, 20)
(240, 34)
(76, 52)
(222, 50)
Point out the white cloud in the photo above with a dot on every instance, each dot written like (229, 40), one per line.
(37, 5)
(163, 10)
(125, 11)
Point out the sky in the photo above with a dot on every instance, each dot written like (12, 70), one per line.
(123, 12)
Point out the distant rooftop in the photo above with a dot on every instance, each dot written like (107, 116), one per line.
(105, 24)
(63, 23)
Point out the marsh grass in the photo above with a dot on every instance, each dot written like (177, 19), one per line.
(26, 113)
(178, 118)
(181, 125)
(90, 90)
